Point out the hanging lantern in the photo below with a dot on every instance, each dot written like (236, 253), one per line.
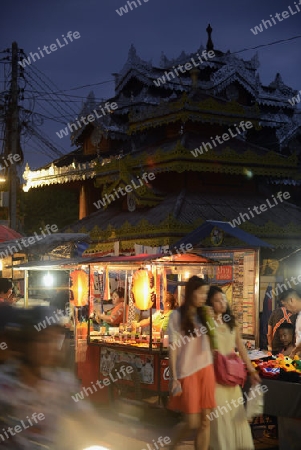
(142, 290)
(80, 287)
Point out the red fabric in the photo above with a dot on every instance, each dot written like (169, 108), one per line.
(8, 234)
(198, 392)
(116, 314)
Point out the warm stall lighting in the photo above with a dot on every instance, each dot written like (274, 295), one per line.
(96, 447)
(48, 280)
(80, 287)
(142, 289)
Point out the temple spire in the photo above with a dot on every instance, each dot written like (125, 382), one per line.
(209, 45)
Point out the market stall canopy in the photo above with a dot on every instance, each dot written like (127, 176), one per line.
(142, 258)
(200, 233)
(186, 258)
(52, 264)
(39, 243)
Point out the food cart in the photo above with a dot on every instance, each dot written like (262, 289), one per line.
(146, 279)
(103, 354)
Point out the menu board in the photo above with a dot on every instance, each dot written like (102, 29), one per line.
(238, 270)
(243, 299)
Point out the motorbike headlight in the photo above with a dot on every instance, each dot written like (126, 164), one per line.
(96, 447)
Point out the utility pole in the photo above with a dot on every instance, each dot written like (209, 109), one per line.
(13, 136)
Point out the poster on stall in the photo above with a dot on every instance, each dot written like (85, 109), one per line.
(222, 273)
(144, 364)
(236, 276)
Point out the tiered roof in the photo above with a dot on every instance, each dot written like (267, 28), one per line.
(157, 125)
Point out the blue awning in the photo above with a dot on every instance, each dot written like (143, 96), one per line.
(200, 233)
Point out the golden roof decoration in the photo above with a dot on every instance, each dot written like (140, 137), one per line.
(58, 175)
(185, 109)
(143, 194)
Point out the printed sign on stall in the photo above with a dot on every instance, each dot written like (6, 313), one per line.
(144, 364)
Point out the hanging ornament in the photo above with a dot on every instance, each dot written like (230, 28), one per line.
(80, 287)
(142, 289)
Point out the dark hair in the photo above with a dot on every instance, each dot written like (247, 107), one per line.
(192, 285)
(287, 326)
(217, 290)
(172, 299)
(283, 297)
(119, 291)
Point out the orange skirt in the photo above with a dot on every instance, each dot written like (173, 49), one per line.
(198, 392)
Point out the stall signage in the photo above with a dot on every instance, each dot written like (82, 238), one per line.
(166, 374)
(224, 273)
(224, 257)
(144, 364)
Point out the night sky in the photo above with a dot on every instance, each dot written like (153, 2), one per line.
(155, 26)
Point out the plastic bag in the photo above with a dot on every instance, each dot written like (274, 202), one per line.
(254, 404)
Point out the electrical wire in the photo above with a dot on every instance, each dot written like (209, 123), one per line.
(35, 68)
(53, 101)
(54, 98)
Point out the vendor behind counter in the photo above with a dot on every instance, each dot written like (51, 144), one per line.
(114, 316)
(160, 319)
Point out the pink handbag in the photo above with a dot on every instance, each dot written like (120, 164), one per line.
(230, 370)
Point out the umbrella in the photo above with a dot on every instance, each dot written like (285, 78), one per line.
(8, 234)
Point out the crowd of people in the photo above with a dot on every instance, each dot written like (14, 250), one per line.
(36, 410)
(193, 389)
(35, 387)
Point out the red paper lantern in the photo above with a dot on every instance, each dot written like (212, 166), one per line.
(142, 289)
(80, 287)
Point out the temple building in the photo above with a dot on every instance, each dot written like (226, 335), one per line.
(191, 139)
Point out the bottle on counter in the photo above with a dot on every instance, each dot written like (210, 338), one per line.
(210, 325)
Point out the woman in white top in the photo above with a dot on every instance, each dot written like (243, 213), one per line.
(192, 382)
(230, 429)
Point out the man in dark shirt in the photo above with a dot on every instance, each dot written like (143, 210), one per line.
(279, 316)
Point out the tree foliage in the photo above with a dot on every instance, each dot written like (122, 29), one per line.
(48, 205)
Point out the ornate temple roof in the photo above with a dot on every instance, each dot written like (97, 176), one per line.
(220, 77)
(180, 213)
(223, 90)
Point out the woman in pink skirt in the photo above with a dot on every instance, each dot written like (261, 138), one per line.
(192, 382)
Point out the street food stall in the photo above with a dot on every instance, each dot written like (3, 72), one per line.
(103, 353)
(146, 279)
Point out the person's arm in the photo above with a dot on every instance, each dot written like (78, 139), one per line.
(295, 351)
(115, 318)
(143, 323)
(255, 378)
(174, 384)
(270, 337)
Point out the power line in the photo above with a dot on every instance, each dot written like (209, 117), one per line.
(84, 86)
(268, 45)
(51, 102)
(31, 74)
(35, 68)
(45, 140)
(235, 52)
